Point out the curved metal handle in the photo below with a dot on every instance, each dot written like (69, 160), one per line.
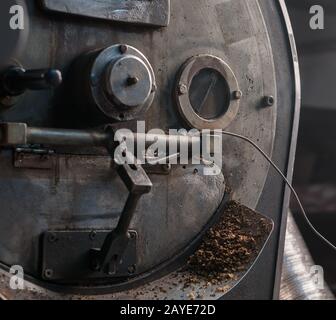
(17, 80)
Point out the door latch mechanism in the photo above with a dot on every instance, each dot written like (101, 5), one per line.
(109, 257)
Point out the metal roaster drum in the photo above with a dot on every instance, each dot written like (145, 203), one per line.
(79, 223)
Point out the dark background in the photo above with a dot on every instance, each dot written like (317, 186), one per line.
(315, 168)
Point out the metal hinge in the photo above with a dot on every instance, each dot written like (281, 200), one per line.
(34, 158)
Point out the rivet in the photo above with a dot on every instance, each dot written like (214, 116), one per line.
(132, 269)
(182, 89)
(123, 48)
(237, 94)
(52, 237)
(48, 273)
(269, 101)
(93, 235)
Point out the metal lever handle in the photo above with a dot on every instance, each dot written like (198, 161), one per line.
(108, 258)
(16, 80)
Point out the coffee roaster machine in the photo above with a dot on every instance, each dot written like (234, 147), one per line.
(80, 225)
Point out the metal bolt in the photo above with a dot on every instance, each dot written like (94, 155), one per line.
(132, 81)
(182, 89)
(123, 48)
(48, 273)
(132, 269)
(269, 101)
(237, 94)
(52, 237)
(131, 235)
(93, 235)
(167, 167)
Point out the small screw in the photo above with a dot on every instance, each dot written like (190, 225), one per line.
(93, 235)
(237, 94)
(167, 167)
(131, 81)
(52, 237)
(123, 48)
(132, 269)
(182, 89)
(131, 235)
(268, 101)
(48, 273)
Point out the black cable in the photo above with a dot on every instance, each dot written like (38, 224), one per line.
(268, 158)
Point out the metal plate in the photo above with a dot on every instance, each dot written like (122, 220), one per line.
(147, 12)
(66, 256)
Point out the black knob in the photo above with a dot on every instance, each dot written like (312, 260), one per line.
(17, 80)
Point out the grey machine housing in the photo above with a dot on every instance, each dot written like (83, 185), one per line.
(82, 70)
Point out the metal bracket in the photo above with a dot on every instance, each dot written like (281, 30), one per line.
(66, 255)
(146, 12)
